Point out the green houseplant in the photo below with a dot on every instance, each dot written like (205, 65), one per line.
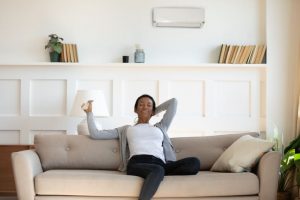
(55, 46)
(289, 168)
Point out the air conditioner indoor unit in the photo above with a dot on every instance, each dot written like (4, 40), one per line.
(186, 17)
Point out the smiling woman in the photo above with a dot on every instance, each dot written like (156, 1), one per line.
(151, 154)
(145, 108)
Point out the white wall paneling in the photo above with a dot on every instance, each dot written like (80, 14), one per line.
(212, 98)
(10, 97)
(47, 98)
(191, 95)
(9, 136)
(227, 104)
(132, 89)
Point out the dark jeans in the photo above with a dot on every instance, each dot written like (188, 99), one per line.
(153, 170)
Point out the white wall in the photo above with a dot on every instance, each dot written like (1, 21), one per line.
(283, 62)
(105, 30)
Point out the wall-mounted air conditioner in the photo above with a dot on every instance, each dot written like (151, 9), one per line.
(187, 17)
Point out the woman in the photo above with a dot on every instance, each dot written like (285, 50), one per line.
(148, 147)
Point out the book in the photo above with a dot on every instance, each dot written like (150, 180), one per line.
(247, 54)
(242, 54)
(237, 54)
(234, 51)
(62, 54)
(222, 53)
(262, 54)
(71, 53)
(259, 51)
(75, 54)
(252, 47)
(253, 55)
(67, 53)
(226, 53)
(229, 53)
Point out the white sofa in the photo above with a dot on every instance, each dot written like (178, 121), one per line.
(65, 167)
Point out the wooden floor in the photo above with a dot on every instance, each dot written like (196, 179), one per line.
(8, 198)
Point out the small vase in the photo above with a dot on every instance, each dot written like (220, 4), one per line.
(284, 196)
(54, 56)
(139, 56)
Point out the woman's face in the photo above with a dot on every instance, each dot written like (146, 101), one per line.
(144, 108)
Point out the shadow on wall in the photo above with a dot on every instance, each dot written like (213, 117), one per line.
(214, 54)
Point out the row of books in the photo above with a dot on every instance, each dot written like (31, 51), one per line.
(69, 53)
(242, 54)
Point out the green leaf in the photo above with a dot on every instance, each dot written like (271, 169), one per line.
(293, 144)
(54, 43)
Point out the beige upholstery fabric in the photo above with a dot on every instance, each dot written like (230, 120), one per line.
(26, 165)
(113, 183)
(268, 168)
(242, 154)
(80, 176)
(76, 152)
(207, 148)
(82, 152)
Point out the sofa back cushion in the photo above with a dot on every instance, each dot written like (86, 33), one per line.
(82, 152)
(207, 148)
(76, 152)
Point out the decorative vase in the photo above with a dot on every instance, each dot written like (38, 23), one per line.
(139, 56)
(284, 196)
(54, 56)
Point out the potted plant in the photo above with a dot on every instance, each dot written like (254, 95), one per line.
(289, 168)
(55, 46)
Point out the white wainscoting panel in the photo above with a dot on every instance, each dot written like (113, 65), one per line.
(105, 85)
(9, 136)
(212, 98)
(132, 89)
(48, 97)
(232, 98)
(191, 95)
(10, 97)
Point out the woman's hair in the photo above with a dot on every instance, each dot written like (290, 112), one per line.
(147, 96)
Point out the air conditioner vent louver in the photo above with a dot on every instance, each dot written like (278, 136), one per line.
(186, 17)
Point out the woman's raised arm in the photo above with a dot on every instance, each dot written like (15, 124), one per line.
(170, 106)
(95, 133)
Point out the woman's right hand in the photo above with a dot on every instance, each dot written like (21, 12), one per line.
(88, 106)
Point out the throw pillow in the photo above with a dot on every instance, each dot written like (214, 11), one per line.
(242, 154)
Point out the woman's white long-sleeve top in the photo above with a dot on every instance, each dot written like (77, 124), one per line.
(169, 106)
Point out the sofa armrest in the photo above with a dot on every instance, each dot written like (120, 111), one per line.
(268, 173)
(26, 165)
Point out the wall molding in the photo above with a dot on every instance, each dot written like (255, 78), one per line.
(213, 98)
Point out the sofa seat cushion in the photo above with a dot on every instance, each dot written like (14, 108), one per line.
(115, 183)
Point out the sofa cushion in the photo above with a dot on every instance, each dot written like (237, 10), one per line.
(207, 148)
(82, 152)
(76, 152)
(242, 154)
(115, 183)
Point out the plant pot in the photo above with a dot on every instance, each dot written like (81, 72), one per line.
(284, 196)
(54, 56)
